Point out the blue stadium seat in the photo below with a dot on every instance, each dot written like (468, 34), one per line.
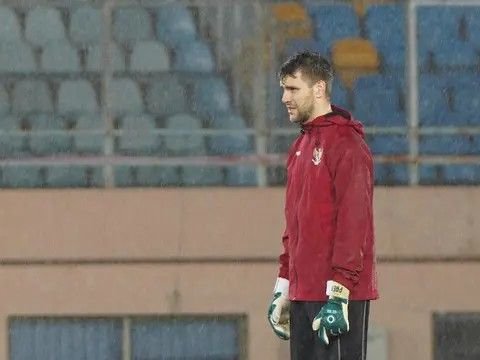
(31, 96)
(85, 142)
(296, 45)
(456, 54)
(44, 143)
(43, 26)
(16, 57)
(76, 97)
(94, 58)
(439, 26)
(449, 145)
(175, 25)
(131, 25)
(377, 101)
(229, 144)
(146, 176)
(149, 56)
(187, 144)
(472, 18)
(166, 96)
(86, 26)
(201, 175)
(434, 108)
(60, 57)
(11, 144)
(382, 144)
(385, 26)
(138, 136)
(9, 25)
(23, 176)
(210, 96)
(241, 175)
(391, 174)
(467, 107)
(73, 176)
(327, 19)
(453, 174)
(124, 97)
(194, 57)
(340, 95)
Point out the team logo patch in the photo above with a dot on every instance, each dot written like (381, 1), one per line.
(317, 156)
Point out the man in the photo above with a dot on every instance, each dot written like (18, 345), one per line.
(327, 269)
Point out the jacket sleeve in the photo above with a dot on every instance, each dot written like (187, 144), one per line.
(353, 187)
(284, 257)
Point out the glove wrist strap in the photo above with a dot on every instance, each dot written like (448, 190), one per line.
(337, 290)
(281, 286)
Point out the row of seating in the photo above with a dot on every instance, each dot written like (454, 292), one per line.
(17, 57)
(172, 24)
(58, 176)
(162, 97)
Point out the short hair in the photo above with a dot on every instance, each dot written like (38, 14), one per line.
(312, 65)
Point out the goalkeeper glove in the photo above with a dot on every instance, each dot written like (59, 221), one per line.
(279, 310)
(333, 316)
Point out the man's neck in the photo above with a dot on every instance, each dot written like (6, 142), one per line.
(320, 110)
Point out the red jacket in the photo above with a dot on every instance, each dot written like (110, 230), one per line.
(328, 209)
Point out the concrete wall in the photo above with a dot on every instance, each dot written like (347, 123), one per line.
(214, 250)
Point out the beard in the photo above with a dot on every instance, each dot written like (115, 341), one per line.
(304, 114)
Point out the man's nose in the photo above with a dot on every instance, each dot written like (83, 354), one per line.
(285, 97)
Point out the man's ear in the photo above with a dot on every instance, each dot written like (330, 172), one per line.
(319, 89)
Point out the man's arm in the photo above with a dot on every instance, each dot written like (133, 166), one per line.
(353, 184)
(284, 257)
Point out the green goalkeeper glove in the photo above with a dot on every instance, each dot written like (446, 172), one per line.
(333, 316)
(279, 310)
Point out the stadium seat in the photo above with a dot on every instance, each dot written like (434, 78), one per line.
(185, 144)
(89, 143)
(153, 175)
(382, 144)
(241, 175)
(31, 96)
(452, 174)
(175, 25)
(86, 26)
(391, 174)
(16, 57)
(166, 96)
(456, 54)
(466, 107)
(385, 27)
(229, 144)
(4, 101)
(138, 136)
(11, 143)
(194, 57)
(60, 57)
(43, 26)
(44, 143)
(296, 45)
(292, 21)
(9, 25)
(73, 176)
(340, 95)
(377, 101)
(472, 18)
(94, 58)
(201, 175)
(149, 56)
(124, 97)
(433, 103)
(210, 95)
(326, 20)
(131, 25)
(438, 26)
(23, 176)
(449, 145)
(76, 97)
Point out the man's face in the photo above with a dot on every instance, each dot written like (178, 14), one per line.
(298, 97)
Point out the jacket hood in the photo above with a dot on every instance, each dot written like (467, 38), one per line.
(337, 116)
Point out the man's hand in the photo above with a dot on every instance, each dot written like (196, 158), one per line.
(279, 310)
(333, 316)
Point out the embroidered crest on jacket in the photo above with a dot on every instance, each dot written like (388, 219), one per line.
(317, 155)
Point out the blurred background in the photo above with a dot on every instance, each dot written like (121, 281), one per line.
(142, 149)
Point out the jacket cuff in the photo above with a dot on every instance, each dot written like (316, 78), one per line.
(338, 277)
